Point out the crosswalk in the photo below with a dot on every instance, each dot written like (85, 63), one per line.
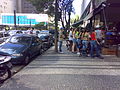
(69, 63)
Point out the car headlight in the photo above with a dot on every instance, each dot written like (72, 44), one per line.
(6, 58)
(17, 55)
(2, 57)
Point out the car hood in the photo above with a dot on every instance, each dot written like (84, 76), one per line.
(11, 48)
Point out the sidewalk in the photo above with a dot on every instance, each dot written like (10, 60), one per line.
(67, 71)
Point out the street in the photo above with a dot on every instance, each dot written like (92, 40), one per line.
(60, 45)
(53, 71)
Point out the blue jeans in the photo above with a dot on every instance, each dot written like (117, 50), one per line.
(60, 46)
(84, 47)
(85, 44)
(78, 43)
(95, 47)
(75, 41)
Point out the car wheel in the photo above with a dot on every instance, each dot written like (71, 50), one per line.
(5, 74)
(26, 60)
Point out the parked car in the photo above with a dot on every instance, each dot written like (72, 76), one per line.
(3, 39)
(3, 33)
(47, 41)
(43, 33)
(13, 32)
(36, 32)
(22, 48)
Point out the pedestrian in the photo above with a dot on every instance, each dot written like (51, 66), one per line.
(78, 40)
(85, 41)
(94, 45)
(61, 37)
(74, 41)
(99, 36)
(70, 39)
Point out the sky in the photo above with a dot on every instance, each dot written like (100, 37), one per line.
(77, 7)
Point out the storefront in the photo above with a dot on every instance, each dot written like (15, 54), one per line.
(105, 13)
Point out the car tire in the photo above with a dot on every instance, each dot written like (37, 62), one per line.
(6, 75)
(26, 60)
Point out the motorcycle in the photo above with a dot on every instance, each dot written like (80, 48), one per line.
(5, 66)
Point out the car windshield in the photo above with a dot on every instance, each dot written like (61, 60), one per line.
(19, 39)
(44, 37)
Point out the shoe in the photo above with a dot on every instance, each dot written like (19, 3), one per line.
(78, 53)
(60, 52)
(100, 57)
(74, 52)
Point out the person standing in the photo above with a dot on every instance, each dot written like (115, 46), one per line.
(99, 36)
(94, 45)
(74, 41)
(70, 39)
(85, 41)
(78, 40)
(61, 37)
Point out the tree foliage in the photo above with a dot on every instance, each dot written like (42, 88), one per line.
(40, 25)
(44, 6)
(66, 8)
(75, 19)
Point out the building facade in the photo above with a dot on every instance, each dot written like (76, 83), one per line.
(84, 5)
(7, 6)
(23, 19)
(23, 6)
(105, 14)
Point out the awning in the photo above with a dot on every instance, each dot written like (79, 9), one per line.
(77, 23)
(90, 15)
(93, 12)
(88, 26)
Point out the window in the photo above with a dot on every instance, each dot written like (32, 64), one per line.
(22, 40)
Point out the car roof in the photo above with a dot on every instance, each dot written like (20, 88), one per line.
(25, 35)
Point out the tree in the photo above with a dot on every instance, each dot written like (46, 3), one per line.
(75, 19)
(40, 25)
(66, 8)
(44, 6)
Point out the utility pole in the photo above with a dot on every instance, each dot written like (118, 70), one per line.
(30, 23)
(15, 19)
(56, 26)
(18, 21)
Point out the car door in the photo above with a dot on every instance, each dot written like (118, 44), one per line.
(35, 46)
(39, 44)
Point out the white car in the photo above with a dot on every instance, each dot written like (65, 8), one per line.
(43, 33)
(36, 32)
(13, 32)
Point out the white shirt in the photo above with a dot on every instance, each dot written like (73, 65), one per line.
(98, 34)
(70, 35)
